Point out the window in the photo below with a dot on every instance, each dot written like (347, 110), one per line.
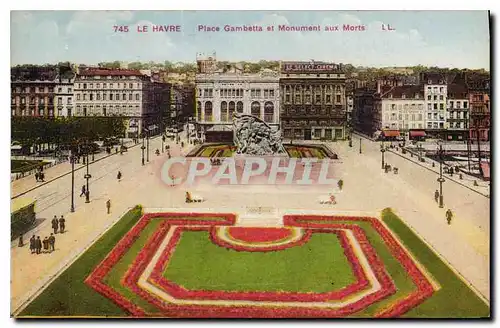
(124, 97)
(104, 85)
(271, 93)
(441, 106)
(328, 99)
(429, 106)
(465, 104)
(111, 85)
(69, 100)
(441, 97)
(91, 97)
(136, 96)
(337, 100)
(429, 97)
(59, 100)
(110, 96)
(117, 96)
(131, 85)
(129, 96)
(51, 89)
(420, 117)
(104, 96)
(84, 96)
(287, 98)
(318, 99)
(458, 104)
(451, 104)
(429, 116)
(441, 90)
(85, 85)
(429, 89)
(98, 96)
(58, 90)
(435, 106)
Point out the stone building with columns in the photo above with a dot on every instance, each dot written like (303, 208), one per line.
(313, 101)
(220, 94)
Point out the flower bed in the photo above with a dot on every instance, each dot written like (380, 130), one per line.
(295, 304)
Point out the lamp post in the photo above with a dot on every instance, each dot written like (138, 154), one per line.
(142, 148)
(147, 146)
(440, 179)
(72, 158)
(382, 150)
(162, 143)
(360, 145)
(87, 176)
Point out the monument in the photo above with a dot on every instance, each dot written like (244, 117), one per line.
(253, 136)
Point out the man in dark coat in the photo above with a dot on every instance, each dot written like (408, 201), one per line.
(62, 224)
(33, 244)
(45, 244)
(54, 224)
(108, 205)
(83, 191)
(52, 243)
(38, 244)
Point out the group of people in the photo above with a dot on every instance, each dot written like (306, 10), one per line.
(40, 176)
(215, 161)
(48, 244)
(58, 225)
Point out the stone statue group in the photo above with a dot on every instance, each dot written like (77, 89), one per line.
(252, 136)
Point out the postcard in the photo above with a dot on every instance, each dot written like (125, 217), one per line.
(250, 164)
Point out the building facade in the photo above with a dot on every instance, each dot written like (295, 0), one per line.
(479, 100)
(457, 112)
(64, 94)
(221, 94)
(32, 92)
(313, 101)
(403, 109)
(435, 93)
(127, 93)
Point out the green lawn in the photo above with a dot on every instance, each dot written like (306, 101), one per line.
(455, 299)
(18, 166)
(318, 266)
(68, 295)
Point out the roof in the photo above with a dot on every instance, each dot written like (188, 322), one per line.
(457, 91)
(112, 72)
(20, 203)
(409, 91)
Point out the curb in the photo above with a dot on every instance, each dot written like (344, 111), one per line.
(415, 162)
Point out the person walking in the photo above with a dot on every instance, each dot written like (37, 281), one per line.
(55, 224)
(436, 196)
(62, 224)
(38, 245)
(119, 175)
(83, 191)
(42, 176)
(45, 245)
(449, 216)
(33, 244)
(108, 205)
(37, 176)
(52, 243)
(21, 242)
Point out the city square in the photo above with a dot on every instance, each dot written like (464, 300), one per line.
(269, 189)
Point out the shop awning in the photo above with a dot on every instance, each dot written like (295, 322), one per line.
(417, 133)
(391, 133)
(485, 167)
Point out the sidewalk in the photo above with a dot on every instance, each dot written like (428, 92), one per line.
(28, 183)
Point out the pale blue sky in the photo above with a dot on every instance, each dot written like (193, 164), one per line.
(443, 38)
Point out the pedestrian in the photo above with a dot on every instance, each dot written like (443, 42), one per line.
(37, 176)
(62, 224)
(340, 184)
(33, 244)
(55, 224)
(119, 175)
(38, 245)
(436, 196)
(52, 243)
(42, 176)
(449, 215)
(45, 245)
(83, 191)
(108, 205)
(21, 243)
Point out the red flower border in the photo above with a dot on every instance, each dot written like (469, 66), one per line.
(424, 287)
(179, 292)
(214, 237)
(260, 235)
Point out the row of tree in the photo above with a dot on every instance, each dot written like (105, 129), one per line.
(29, 131)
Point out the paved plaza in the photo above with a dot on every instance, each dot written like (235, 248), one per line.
(367, 189)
